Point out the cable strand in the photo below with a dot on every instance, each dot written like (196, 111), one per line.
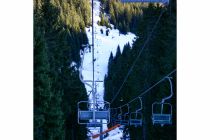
(140, 52)
(147, 90)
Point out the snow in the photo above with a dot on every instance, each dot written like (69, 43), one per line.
(116, 134)
(73, 65)
(104, 45)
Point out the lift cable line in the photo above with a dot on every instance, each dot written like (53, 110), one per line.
(161, 111)
(139, 54)
(146, 91)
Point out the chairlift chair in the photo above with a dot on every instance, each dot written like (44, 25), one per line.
(125, 117)
(136, 117)
(162, 117)
(119, 117)
(125, 120)
(90, 116)
(113, 116)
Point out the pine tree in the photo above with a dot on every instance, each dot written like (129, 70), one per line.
(111, 58)
(42, 85)
(118, 53)
(57, 44)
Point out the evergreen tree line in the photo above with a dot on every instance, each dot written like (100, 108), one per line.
(104, 20)
(124, 16)
(59, 31)
(157, 60)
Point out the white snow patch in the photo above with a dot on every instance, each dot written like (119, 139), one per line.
(73, 64)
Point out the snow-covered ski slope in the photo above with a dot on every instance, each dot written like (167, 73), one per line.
(104, 45)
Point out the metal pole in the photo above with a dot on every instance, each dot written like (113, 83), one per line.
(101, 130)
(93, 90)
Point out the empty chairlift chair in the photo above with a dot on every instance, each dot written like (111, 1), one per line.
(87, 115)
(162, 112)
(163, 117)
(119, 116)
(136, 117)
(125, 117)
(113, 116)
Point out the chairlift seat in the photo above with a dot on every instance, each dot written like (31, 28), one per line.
(94, 124)
(136, 118)
(102, 115)
(136, 122)
(118, 121)
(124, 122)
(87, 115)
(162, 119)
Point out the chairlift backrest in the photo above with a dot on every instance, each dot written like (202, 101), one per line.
(119, 116)
(126, 113)
(113, 115)
(161, 106)
(113, 112)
